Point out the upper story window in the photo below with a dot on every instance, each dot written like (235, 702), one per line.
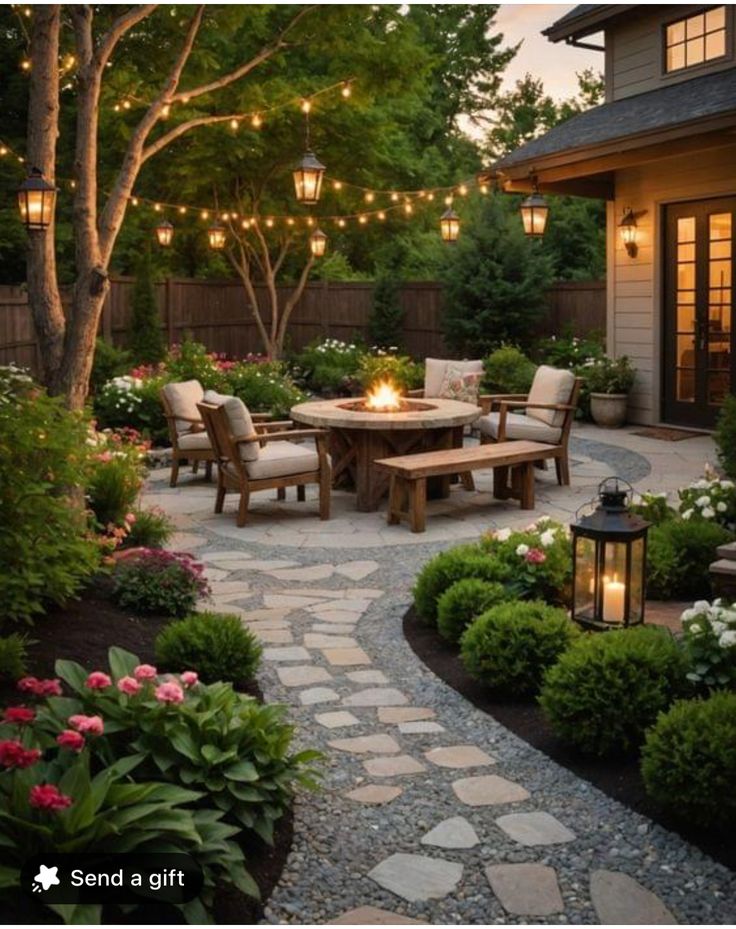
(696, 39)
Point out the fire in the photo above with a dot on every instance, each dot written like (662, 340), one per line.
(383, 397)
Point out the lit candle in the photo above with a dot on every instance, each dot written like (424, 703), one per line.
(614, 598)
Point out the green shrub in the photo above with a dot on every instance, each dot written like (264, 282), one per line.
(510, 646)
(161, 582)
(132, 402)
(109, 362)
(329, 364)
(386, 320)
(215, 645)
(151, 528)
(725, 436)
(537, 560)
(610, 376)
(264, 387)
(452, 565)
(570, 351)
(146, 339)
(709, 643)
(608, 688)
(113, 488)
(13, 656)
(508, 371)
(460, 604)
(679, 553)
(402, 370)
(689, 761)
(653, 507)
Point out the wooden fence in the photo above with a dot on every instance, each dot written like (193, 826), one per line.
(218, 314)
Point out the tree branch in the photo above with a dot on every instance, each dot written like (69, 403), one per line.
(168, 137)
(120, 27)
(292, 302)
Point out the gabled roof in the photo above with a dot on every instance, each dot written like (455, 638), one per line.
(584, 19)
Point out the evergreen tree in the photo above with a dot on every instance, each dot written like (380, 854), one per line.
(146, 341)
(386, 322)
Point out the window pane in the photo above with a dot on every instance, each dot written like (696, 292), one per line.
(718, 384)
(695, 26)
(685, 386)
(720, 273)
(720, 225)
(685, 318)
(675, 57)
(720, 319)
(686, 351)
(686, 252)
(720, 249)
(715, 45)
(715, 19)
(686, 229)
(685, 276)
(676, 33)
(695, 52)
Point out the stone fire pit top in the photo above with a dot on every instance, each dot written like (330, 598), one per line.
(338, 414)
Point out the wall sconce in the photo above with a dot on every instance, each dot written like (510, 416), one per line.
(628, 229)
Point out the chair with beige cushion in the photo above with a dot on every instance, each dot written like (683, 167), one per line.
(441, 376)
(548, 413)
(252, 458)
(189, 441)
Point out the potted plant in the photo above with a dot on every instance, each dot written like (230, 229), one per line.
(609, 382)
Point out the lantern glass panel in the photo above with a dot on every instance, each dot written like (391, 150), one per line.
(585, 575)
(613, 582)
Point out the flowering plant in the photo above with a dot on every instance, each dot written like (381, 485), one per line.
(653, 506)
(329, 364)
(709, 640)
(609, 376)
(537, 559)
(710, 498)
(158, 581)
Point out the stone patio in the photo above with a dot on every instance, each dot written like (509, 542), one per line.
(431, 811)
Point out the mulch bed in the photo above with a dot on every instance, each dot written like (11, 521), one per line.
(619, 778)
(83, 632)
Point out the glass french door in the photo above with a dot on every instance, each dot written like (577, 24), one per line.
(698, 310)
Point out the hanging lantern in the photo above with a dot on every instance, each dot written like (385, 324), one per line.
(628, 230)
(449, 225)
(534, 213)
(318, 243)
(609, 561)
(164, 234)
(216, 236)
(36, 201)
(308, 176)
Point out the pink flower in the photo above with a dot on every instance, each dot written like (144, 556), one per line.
(130, 518)
(14, 755)
(145, 672)
(535, 556)
(28, 685)
(169, 693)
(50, 687)
(71, 740)
(40, 688)
(128, 685)
(189, 678)
(93, 725)
(98, 680)
(48, 797)
(18, 715)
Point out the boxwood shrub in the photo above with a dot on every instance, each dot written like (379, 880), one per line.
(679, 553)
(215, 645)
(452, 565)
(460, 604)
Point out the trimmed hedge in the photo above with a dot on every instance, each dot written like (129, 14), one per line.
(215, 645)
(460, 604)
(442, 571)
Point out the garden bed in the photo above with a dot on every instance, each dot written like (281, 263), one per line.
(619, 778)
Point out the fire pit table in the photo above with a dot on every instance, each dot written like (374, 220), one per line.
(359, 436)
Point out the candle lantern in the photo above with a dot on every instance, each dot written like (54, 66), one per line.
(449, 225)
(36, 201)
(318, 243)
(164, 233)
(217, 236)
(308, 176)
(609, 561)
(534, 213)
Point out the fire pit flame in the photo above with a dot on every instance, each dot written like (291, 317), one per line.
(383, 397)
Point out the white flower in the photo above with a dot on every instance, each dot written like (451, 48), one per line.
(718, 628)
(544, 519)
(547, 538)
(687, 514)
(721, 507)
(502, 534)
(709, 512)
(728, 638)
(522, 550)
(703, 501)
(702, 606)
(727, 484)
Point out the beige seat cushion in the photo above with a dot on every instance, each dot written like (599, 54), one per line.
(183, 399)
(519, 426)
(194, 441)
(280, 459)
(550, 385)
(434, 373)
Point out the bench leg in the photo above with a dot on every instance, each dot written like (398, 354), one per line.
(301, 493)
(467, 480)
(526, 475)
(501, 483)
(418, 504)
(396, 495)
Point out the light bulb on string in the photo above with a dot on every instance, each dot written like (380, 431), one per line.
(166, 111)
(306, 105)
(362, 220)
(462, 190)
(256, 121)
(381, 215)
(394, 197)
(234, 124)
(346, 89)
(370, 197)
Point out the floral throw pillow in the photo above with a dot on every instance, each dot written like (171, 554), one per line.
(461, 385)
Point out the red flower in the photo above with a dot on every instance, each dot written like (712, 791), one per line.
(71, 740)
(19, 715)
(48, 797)
(535, 556)
(14, 755)
(29, 685)
(98, 680)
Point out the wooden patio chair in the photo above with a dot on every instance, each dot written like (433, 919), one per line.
(189, 441)
(251, 458)
(549, 410)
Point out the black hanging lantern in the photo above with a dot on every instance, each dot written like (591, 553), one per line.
(164, 233)
(308, 176)
(36, 201)
(609, 561)
(449, 225)
(216, 236)
(318, 243)
(534, 213)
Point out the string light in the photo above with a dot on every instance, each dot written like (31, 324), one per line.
(381, 215)
(462, 190)
(394, 196)
(337, 185)
(370, 197)
(234, 124)
(166, 111)
(25, 64)
(306, 105)
(346, 90)
(257, 121)
(362, 220)
(182, 210)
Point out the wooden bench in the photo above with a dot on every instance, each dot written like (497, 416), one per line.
(513, 475)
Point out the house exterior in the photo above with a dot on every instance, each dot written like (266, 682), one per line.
(662, 146)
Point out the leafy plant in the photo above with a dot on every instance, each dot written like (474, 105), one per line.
(537, 560)
(149, 528)
(653, 507)
(510, 646)
(263, 386)
(570, 351)
(146, 340)
(460, 604)
(709, 641)
(381, 365)
(678, 555)
(13, 656)
(689, 761)
(161, 582)
(115, 477)
(710, 498)
(725, 436)
(109, 362)
(610, 376)
(329, 363)
(508, 371)
(608, 688)
(452, 565)
(215, 645)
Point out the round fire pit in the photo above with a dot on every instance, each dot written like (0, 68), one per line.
(359, 436)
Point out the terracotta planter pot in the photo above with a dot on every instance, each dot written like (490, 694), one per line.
(609, 410)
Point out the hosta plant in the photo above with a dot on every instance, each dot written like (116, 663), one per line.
(709, 640)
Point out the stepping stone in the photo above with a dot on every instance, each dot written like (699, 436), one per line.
(357, 570)
(291, 653)
(459, 756)
(293, 602)
(324, 593)
(264, 616)
(488, 790)
(337, 719)
(534, 828)
(322, 640)
(404, 714)
(217, 574)
(229, 555)
(452, 833)
(274, 636)
(619, 899)
(367, 677)
(416, 877)
(337, 615)
(302, 675)
(346, 656)
(374, 794)
(224, 590)
(421, 727)
(313, 695)
(311, 573)
(372, 916)
(357, 605)
(334, 628)
(258, 564)
(376, 696)
(526, 889)
(378, 744)
(393, 767)
(365, 593)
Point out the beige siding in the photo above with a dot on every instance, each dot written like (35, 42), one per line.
(634, 287)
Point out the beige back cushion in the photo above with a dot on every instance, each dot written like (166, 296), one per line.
(434, 373)
(550, 385)
(241, 425)
(214, 399)
(183, 399)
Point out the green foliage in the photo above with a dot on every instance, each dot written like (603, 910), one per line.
(537, 560)
(494, 282)
(215, 645)
(607, 689)
(570, 351)
(452, 565)
(380, 365)
(709, 643)
(678, 555)
(151, 528)
(13, 656)
(329, 364)
(113, 485)
(146, 339)
(461, 603)
(510, 646)
(508, 371)
(159, 582)
(133, 402)
(46, 554)
(109, 362)
(652, 507)
(263, 386)
(386, 320)
(610, 376)
(689, 761)
(725, 436)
